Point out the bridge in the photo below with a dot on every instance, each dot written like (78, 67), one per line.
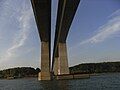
(65, 14)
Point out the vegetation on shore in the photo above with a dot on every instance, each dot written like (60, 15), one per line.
(19, 72)
(86, 68)
(90, 68)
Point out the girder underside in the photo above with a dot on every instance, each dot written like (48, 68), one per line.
(65, 15)
(42, 12)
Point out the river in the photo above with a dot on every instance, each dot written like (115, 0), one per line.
(101, 82)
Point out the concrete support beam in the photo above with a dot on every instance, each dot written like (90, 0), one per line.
(42, 13)
(56, 66)
(65, 15)
(45, 62)
(63, 59)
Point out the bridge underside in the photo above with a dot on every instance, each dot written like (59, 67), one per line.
(42, 13)
(65, 15)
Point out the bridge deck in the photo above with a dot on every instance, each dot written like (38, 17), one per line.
(65, 15)
(42, 12)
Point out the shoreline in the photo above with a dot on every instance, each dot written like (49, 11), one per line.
(93, 74)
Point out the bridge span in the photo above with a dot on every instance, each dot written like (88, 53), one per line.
(42, 13)
(65, 14)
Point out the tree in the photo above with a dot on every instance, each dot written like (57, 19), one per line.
(37, 70)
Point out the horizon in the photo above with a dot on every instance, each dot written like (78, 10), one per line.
(93, 36)
(69, 66)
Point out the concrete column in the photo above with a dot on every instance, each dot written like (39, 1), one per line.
(56, 66)
(45, 62)
(62, 50)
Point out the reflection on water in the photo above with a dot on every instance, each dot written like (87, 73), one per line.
(53, 85)
(102, 82)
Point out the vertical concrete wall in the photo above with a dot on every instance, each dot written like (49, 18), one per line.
(45, 62)
(63, 57)
(56, 66)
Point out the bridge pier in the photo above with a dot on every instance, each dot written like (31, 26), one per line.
(56, 65)
(63, 57)
(61, 62)
(65, 15)
(45, 62)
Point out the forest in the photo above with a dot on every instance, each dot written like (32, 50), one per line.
(90, 68)
(19, 72)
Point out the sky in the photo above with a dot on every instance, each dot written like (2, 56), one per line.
(93, 36)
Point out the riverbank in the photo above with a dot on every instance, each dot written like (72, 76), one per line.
(91, 68)
(19, 72)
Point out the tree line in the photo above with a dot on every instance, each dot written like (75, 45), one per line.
(89, 68)
(19, 72)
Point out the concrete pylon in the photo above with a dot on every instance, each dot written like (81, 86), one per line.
(63, 59)
(45, 62)
(56, 66)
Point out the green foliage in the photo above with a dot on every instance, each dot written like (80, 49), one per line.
(19, 72)
(96, 67)
(38, 70)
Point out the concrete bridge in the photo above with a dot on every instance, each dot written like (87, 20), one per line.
(65, 14)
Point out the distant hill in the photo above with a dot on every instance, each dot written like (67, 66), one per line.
(90, 68)
(19, 72)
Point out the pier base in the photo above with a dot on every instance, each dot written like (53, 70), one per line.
(45, 62)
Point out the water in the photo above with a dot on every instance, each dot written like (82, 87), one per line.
(102, 82)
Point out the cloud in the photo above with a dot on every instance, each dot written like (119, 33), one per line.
(106, 31)
(117, 12)
(0, 37)
(20, 37)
